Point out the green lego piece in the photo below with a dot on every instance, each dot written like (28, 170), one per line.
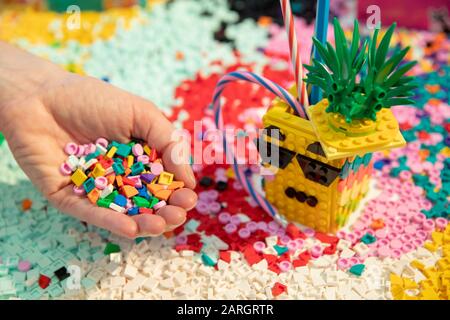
(368, 238)
(280, 250)
(104, 203)
(208, 261)
(153, 201)
(383, 85)
(141, 202)
(137, 168)
(111, 248)
(2, 138)
(123, 150)
(357, 269)
(112, 195)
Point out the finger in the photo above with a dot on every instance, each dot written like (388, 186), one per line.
(173, 215)
(149, 224)
(81, 208)
(176, 160)
(184, 198)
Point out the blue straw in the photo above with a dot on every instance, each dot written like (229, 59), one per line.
(322, 12)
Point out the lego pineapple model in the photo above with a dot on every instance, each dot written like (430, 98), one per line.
(325, 162)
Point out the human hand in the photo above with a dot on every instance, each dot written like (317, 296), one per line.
(43, 107)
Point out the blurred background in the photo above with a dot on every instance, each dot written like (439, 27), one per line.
(430, 15)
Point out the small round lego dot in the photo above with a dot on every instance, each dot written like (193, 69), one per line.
(156, 168)
(144, 159)
(285, 266)
(272, 225)
(24, 265)
(384, 252)
(407, 247)
(71, 148)
(441, 223)
(101, 183)
(428, 225)
(202, 207)
(353, 261)
(214, 207)
(230, 228)
(102, 142)
(224, 217)
(396, 253)
(159, 205)
(244, 233)
(292, 245)
(284, 239)
(343, 263)
(90, 148)
(79, 191)
(419, 218)
(262, 226)
(181, 239)
(203, 196)
(235, 220)
(316, 251)
(80, 151)
(65, 169)
(252, 226)
(137, 150)
(212, 195)
(259, 246)
(300, 243)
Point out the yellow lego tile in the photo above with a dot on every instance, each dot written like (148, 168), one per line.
(78, 177)
(165, 178)
(111, 152)
(340, 139)
(98, 171)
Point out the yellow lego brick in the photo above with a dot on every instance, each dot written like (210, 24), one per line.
(147, 150)
(397, 292)
(98, 171)
(443, 264)
(111, 152)
(130, 161)
(340, 139)
(165, 178)
(418, 265)
(437, 238)
(430, 246)
(230, 173)
(396, 280)
(410, 284)
(429, 294)
(78, 177)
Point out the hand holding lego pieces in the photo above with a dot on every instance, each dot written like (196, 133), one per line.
(45, 108)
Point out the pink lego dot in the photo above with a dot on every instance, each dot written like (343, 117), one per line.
(441, 223)
(90, 148)
(384, 252)
(71, 148)
(101, 183)
(244, 233)
(410, 230)
(252, 226)
(79, 191)
(300, 243)
(235, 220)
(285, 266)
(102, 142)
(24, 266)
(144, 159)
(212, 195)
(80, 151)
(316, 251)
(156, 168)
(214, 207)
(396, 253)
(137, 150)
(202, 207)
(65, 169)
(396, 244)
(292, 245)
(230, 228)
(428, 225)
(259, 246)
(181, 239)
(407, 247)
(419, 218)
(224, 217)
(343, 263)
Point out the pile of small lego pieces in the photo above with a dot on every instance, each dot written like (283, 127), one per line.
(127, 178)
(427, 277)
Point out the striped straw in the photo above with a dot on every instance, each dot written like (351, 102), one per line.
(295, 55)
(254, 78)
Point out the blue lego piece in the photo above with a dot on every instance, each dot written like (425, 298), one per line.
(89, 185)
(118, 168)
(123, 150)
(120, 200)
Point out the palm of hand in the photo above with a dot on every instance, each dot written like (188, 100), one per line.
(82, 109)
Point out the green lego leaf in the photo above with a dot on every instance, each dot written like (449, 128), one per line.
(384, 46)
(361, 79)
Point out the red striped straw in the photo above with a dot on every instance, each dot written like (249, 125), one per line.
(295, 55)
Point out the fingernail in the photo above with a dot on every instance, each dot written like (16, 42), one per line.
(191, 177)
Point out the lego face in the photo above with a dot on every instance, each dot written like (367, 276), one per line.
(308, 188)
